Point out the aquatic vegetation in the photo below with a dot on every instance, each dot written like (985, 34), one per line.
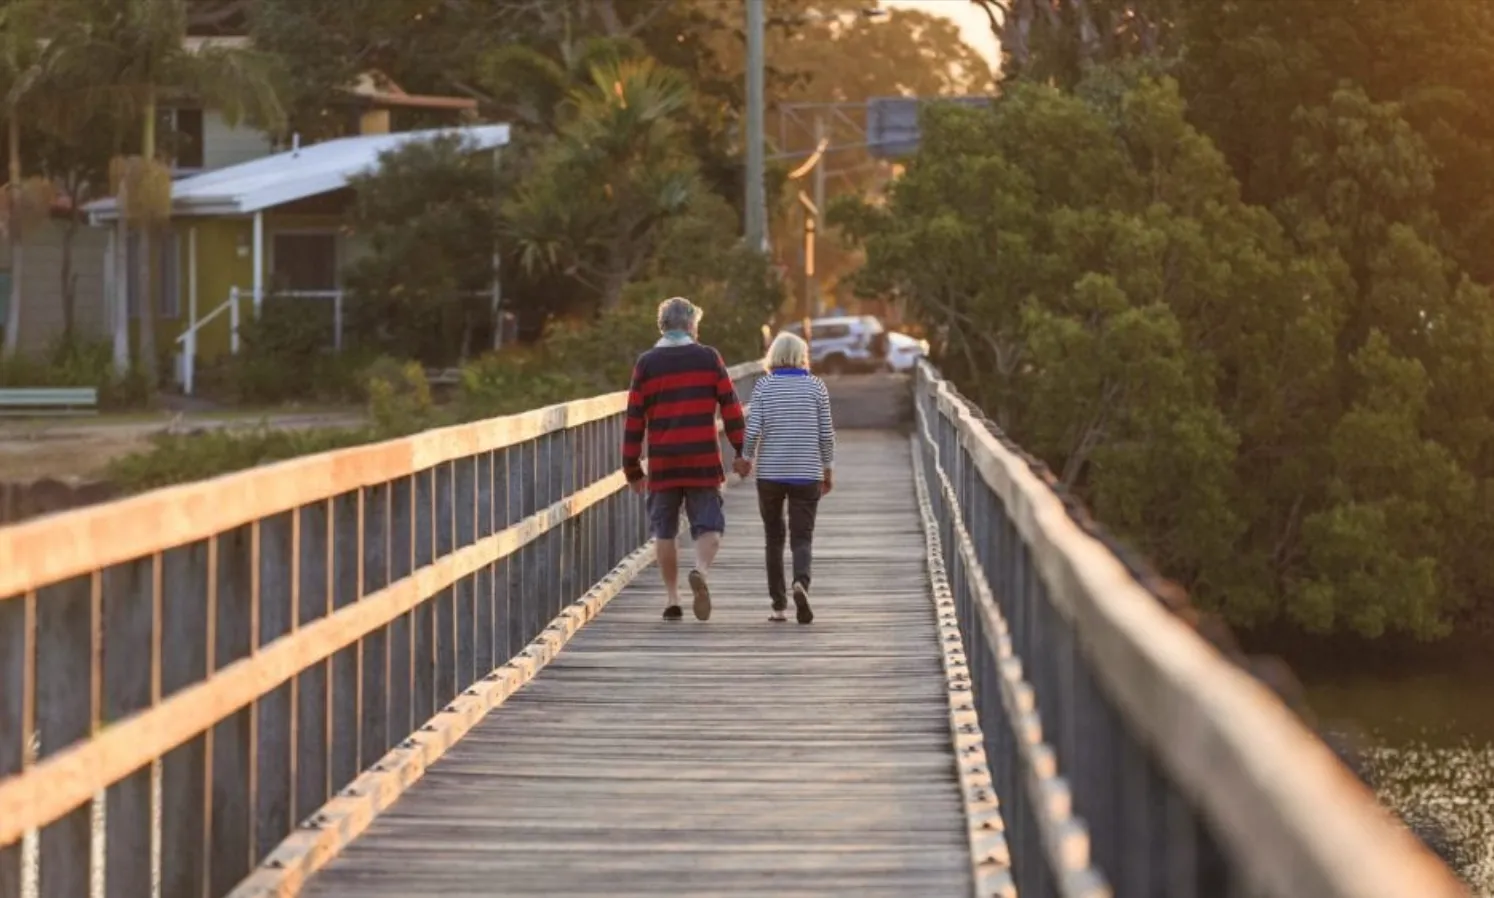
(1446, 795)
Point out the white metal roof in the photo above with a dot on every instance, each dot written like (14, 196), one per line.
(293, 175)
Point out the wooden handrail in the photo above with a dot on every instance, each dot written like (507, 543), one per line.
(52, 549)
(191, 621)
(1284, 805)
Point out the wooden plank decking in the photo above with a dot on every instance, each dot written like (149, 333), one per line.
(732, 757)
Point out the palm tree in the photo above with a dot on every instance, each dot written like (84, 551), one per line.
(618, 170)
(136, 55)
(20, 59)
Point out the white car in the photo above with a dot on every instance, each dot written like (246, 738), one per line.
(903, 352)
(843, 344)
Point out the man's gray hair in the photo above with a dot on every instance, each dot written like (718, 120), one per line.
(678, 314)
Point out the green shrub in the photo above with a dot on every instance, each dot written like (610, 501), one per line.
(183, 458)
(399, 398)
(79, 364)
(512, 381)
(286, 357)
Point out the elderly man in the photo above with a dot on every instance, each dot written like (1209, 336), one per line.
(677, 386)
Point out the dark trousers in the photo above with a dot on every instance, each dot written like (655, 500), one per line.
(803, 501)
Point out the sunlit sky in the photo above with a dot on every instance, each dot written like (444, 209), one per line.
(975, 28)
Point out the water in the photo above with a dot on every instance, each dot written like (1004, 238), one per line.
(1424, 729)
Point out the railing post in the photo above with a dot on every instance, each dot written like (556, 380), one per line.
(233, 320)
(189, 360)
(337, 321)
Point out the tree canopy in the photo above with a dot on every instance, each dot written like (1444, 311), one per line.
(1215, 262)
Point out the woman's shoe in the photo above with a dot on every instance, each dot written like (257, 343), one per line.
(778, 616)
(801, 604)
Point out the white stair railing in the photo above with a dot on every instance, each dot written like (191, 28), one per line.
(187, 356)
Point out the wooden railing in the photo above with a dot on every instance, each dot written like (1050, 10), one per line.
(187, 675)
(1130, 757)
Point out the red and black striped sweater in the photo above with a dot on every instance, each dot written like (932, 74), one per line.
(675, 392)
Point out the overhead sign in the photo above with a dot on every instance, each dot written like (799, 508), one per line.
(892, 122)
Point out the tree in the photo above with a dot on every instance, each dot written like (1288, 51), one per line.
(1246, 395)
(20, 71)
(75, 157)
(132, 53)
(429, 215)
(597, 197)
(325, 45)
(1060, 41)
(1250, 67)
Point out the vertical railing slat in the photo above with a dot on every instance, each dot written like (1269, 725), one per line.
(275, 751)
(513, 565)
(232, 800)
(445, 600)
(401, 629)
(17, 635)
(423, 653)
(129, 614)
(374, 738)
(343, 550)
(484, 655)
(313, 708)
(64, 715)
(185, 638)
(464, 593)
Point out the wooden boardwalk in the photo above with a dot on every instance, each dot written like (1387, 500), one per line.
(732, 757)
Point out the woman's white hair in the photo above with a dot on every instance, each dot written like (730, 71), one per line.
(787, 351)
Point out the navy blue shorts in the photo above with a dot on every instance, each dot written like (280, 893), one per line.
(702, 505)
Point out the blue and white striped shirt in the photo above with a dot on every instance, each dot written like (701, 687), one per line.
(790, 435)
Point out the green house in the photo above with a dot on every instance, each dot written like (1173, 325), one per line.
(269, 229)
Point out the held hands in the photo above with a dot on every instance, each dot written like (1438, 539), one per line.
(639, 486)
(742, 467)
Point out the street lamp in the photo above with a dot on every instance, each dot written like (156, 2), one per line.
(755, 224)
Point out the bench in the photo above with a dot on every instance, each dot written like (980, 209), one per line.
(38, 401)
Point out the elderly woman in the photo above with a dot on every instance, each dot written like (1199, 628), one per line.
(791, 442)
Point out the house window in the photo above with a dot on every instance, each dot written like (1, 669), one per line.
(304, 262)
(168, 275)
(182, 129)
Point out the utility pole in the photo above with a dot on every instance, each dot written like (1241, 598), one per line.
(756, 223)
(816, 305)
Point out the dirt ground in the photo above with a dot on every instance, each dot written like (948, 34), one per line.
(79, 448)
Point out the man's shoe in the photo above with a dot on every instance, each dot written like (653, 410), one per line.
(778, 616)
(673, 612)
(702, 592)
(801, 604)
